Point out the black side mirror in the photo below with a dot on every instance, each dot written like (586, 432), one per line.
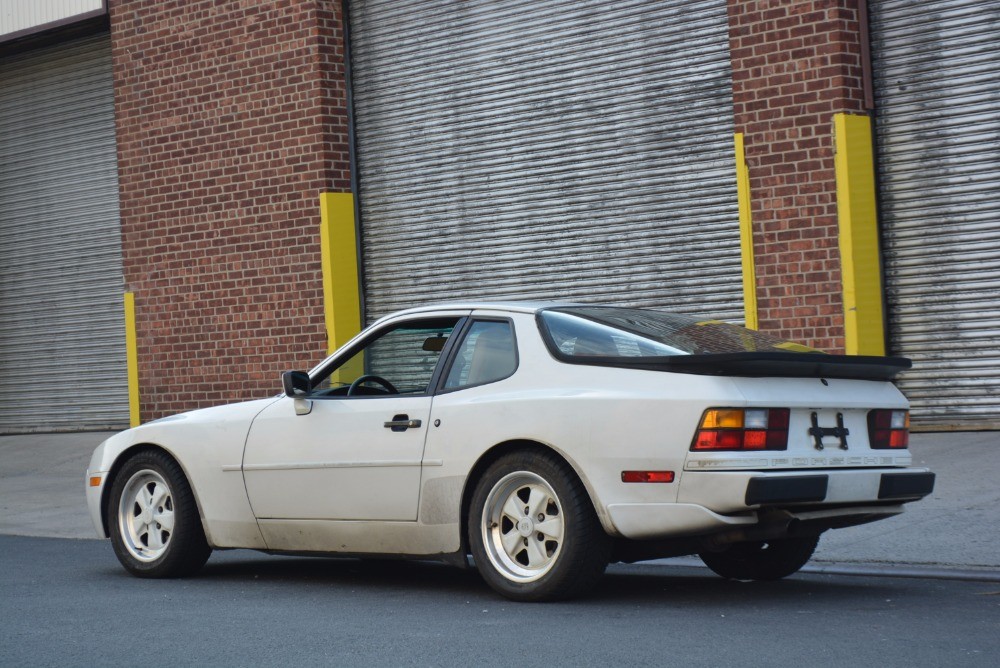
(296, 383)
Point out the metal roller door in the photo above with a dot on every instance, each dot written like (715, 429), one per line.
(937, 81)
(62, 332)
(546, 150)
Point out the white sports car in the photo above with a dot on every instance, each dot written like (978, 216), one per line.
(544, 440)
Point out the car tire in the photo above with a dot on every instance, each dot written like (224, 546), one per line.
(762, 560)
(533, 531)
(153, 519)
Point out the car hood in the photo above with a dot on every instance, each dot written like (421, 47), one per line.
(244, 410)
(219, 425)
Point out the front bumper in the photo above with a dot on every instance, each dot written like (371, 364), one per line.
(96, 492)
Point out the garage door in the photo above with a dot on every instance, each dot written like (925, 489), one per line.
(937, 67)
(62, 341)
(546, 150)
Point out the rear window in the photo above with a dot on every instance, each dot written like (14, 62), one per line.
(603, 331)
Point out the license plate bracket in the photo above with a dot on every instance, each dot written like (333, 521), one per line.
(818, 432)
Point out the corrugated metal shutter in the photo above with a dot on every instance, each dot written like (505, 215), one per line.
(62, 332)
(547, 150)
(937, 81)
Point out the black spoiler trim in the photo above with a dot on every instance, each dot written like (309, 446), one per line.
(760, 365)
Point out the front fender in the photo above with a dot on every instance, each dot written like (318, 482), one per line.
(208, 445)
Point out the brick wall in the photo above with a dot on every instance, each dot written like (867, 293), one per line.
(231, 119)
(795, 65)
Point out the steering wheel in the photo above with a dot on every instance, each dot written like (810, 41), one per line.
(389, 387)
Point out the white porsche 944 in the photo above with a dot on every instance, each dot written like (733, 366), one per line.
(543, 440)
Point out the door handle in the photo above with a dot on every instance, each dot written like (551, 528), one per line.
(402, 423)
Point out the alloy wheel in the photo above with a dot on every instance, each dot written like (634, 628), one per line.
(523, 526)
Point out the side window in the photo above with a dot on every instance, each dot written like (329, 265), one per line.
(400, 361)
(486, 354)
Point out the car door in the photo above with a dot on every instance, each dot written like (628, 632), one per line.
(351, 448)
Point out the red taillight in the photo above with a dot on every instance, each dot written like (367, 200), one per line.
(717, 439)
(647, 476)
(888, 429)
(755, 439)
(742, 429)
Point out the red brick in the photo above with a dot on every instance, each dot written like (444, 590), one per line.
(795, 65)
(231, 119)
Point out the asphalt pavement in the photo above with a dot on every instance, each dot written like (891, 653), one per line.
(67, 603)
(954, 532)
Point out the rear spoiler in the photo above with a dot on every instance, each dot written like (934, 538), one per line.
(762, 364)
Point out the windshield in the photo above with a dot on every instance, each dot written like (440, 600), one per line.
(602, 331)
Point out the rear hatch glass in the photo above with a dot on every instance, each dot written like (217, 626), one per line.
(646, 339)
(624, 332)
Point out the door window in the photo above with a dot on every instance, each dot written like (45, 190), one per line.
(400, 361)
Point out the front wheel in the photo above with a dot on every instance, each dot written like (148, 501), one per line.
(762, 560)
(154, 523)
(533, 531)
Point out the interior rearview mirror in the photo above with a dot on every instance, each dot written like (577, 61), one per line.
(296, 383)
(435, 344)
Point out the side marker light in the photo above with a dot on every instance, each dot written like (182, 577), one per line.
(647, 476)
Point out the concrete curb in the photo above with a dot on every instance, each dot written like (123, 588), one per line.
(877, 570)
(905, 571)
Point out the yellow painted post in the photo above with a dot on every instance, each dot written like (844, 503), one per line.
(131, 360)
(746, 235)
(341, 291)
(860, 257)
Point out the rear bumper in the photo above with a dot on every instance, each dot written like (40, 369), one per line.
(723, 501)
(735, 491)
(763, 490)
(906, 486)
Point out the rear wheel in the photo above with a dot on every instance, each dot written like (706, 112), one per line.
(762, 560)
(533, 531)
(154, 523)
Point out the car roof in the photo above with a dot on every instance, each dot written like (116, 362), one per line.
(512, 306)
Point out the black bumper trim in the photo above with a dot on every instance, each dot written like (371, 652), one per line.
(905, 485)
(791, 489)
